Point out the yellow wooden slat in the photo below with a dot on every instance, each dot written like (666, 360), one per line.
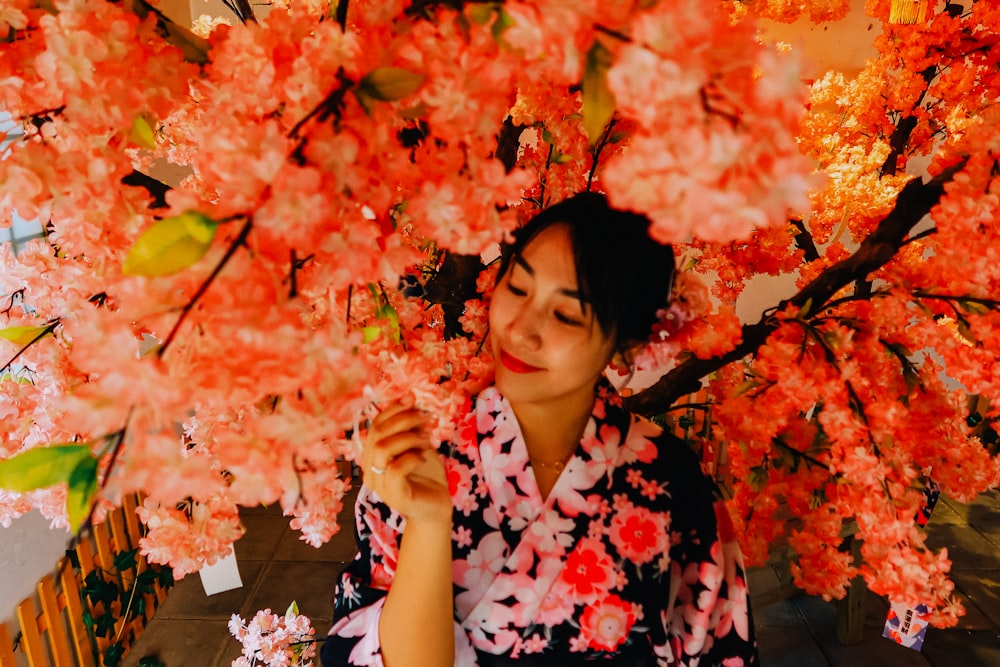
(74, 612)
(105, 556)
(6, 647)
(31, 639)
(57, 637)
(129, 505)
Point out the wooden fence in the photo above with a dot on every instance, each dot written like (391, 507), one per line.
(65, 631)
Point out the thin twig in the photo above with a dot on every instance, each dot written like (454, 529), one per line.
(597, 152)
(230, 251)
(49, 328)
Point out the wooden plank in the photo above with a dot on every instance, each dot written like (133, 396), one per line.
(58, 640)
(129, 505)
(6, 647)
(31, 639)
(74, 612)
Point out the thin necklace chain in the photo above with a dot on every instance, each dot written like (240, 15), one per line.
(551, 465)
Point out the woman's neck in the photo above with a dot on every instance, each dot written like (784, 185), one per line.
(552, 431)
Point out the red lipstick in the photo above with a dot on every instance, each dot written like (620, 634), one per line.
(515, 365)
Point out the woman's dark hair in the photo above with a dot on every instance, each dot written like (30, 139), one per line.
(621, 272)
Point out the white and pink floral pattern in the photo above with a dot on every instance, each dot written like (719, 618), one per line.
(631, 552)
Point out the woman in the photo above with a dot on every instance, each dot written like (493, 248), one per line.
(555, 528)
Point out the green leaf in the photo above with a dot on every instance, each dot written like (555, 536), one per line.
(974, 307)
(293, 609)
(166, 576)
(759, 476)
(142, 133)
(171, 245)
(25, 335)
(105, 624)
(481, 13)
(504, 21)
(598, 100)
(366, 100)
(114, 654)
(125, 560)
(389, 84)
(150, 661)
(81, 492)
(145, 580)
(41, 467)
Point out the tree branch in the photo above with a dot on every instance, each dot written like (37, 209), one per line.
(914, 201)
(230, 251)
(156, 189)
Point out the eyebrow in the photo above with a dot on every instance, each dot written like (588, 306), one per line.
(573, 293)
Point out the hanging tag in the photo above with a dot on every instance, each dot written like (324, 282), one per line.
(907, 626)
(223, 576)
(931, 494)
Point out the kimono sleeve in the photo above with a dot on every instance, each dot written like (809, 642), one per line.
(362, 587)
(707, 621)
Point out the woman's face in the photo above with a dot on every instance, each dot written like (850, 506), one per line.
(547, 345)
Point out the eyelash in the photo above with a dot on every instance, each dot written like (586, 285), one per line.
(564, 319)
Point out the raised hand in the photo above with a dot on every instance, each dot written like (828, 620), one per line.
(402, 466)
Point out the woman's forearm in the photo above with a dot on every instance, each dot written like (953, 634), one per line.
(417, 624)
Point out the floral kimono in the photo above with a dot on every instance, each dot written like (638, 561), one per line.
(630, 560)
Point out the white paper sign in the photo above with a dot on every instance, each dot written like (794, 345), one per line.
(223, 576)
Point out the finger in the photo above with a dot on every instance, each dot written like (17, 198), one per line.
(404, 402)
(387, 449)
(404, 420)
(389, 473)
(405, 472)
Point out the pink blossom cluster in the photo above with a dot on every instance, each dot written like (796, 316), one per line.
(270, 640)
(189, 536)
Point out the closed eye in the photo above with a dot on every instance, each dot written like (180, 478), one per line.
(571, 321)
(516, 291)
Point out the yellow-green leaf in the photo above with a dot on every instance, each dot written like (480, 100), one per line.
(24, 335)
(365, 99)
(41, 467)
(142, 133)
(388, 84)
(81, 492)
(598, 100)
(481, 13)
(293, 609)
(370, 333)
(504, 21)
(170, 245)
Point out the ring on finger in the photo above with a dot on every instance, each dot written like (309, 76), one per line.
(376, 470)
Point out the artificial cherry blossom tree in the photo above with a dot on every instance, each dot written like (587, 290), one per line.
(350, 168)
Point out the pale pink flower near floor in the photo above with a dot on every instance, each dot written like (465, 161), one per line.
(270, 640)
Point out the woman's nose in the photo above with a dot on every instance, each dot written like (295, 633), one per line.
(523, 328)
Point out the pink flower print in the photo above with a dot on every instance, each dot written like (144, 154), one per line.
(549, 534)
(549, 605)
(462, 537)
(733, 662)
(638, 446)
(635, 478)
(606, 624)
(577, 644)
(589, 572)
(535, 644)
(465, 438)
(639, 534)
(459, 485)
(652, 489)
